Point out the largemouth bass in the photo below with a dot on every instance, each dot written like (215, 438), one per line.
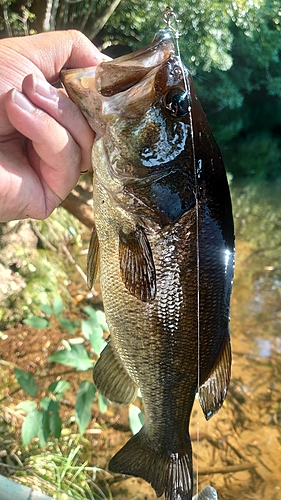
(164, 243)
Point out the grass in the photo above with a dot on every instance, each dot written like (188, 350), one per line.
(61, 469)
(62, 472)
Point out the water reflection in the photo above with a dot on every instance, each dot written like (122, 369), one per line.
(242, 443)
(266, 348)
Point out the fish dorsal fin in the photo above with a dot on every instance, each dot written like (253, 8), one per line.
(111, 378)
(212, 393)
(93, 259)
(137, 265)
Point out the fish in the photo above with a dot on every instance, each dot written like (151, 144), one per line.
(163, 247)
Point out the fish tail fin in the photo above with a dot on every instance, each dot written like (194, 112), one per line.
(169, 473)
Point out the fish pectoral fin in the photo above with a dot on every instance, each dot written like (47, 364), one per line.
(112, 380)
(93, 259)
(137, 264)
(169, 473)
(213, 392)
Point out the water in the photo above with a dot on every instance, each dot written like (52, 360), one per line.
(240, 447)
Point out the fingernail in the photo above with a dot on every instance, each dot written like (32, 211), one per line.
(20, 100)
(43, 88)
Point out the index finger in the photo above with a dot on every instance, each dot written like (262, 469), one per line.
(49, 52)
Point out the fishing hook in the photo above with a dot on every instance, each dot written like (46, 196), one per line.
(169, 17)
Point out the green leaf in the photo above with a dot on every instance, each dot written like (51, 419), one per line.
(97, 316)
(36, 322)
(54, 406)
(44, 403)
(86, 327)
(44, 430)
(46, 309)
(102, 402)
(66, 344)
(102, 321)
(58, 387)
(58, 305)
(67, 324)
(55, 423)
(94, 333)
(31, 426)
(97, 342)
(27, 405)
(48, 404)
(135, 419)
(26, 382)
(77, 357)
(91, 312)
(84, 400)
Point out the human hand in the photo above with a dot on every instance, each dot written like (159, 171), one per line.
(45, 142)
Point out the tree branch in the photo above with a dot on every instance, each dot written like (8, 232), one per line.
(77, 206)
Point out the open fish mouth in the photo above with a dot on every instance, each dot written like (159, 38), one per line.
(90, 87)
(112, 77)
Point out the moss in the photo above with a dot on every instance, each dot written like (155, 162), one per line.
(42, 265)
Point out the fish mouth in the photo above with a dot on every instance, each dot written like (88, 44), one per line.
(90, 88)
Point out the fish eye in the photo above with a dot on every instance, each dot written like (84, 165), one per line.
(177, 102)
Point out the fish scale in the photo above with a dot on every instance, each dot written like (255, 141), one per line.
(164, 243)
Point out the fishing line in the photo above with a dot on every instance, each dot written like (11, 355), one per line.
(170, 18)
(197, 274)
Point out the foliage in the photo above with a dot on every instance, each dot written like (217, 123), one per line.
(41, 266)
(258, 155)
(62, 471)
(232, 48)
(43, 277)
(26, 382)
(16, 17)
(43, 419)
(55, 309)
(84, 399)
(136, 419)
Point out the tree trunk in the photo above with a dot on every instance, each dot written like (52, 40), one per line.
(102, 19)
(39, 8)
(76, 204)
(54, 11)
(47, 19)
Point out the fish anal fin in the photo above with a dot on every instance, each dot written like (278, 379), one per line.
(111, 378)
(168, 473)
(213, 392)
(137, 265)
(93, 259)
